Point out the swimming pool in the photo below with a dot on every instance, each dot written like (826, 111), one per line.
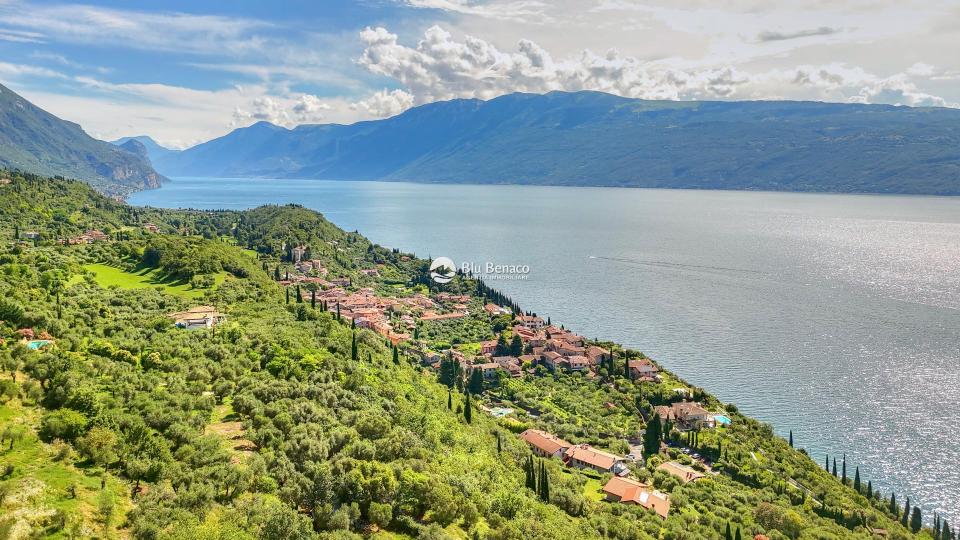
(38, 343)
(721, 419)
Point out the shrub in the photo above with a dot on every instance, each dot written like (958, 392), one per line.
(65, 424)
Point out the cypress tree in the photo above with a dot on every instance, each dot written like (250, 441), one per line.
(499, 444)
(338, 311)
(449, 399)
(516, 345)
(651, 436)
(844, 477)
(834, 467)
(288, 294)
(869, 493)
(945, 531)
(791, 438)
(826, 463)
(467, 410)
(313, 299)
(276, 273)
(59, 307)
(728, 535)
(299, 295)
(894, 509)
(476, 381)
(906, 513)
(544, 491)
(856, 480)
(531, 478)
(738, 537)
(916, 521)
(353, 322)
(396, 355)
(353, 347)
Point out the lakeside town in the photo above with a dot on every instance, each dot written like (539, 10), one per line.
(530, 347)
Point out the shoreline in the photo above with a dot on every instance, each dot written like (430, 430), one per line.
(667, 359)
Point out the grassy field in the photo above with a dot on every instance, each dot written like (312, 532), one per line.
(45, 486)
(592, 490)
(107, 276)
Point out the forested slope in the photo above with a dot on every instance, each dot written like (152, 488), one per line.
(285, 422)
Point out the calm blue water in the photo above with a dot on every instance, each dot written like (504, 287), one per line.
(836, 316)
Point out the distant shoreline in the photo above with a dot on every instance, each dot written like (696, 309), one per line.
(174, 179)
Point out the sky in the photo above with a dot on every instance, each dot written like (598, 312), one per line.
(184, 72)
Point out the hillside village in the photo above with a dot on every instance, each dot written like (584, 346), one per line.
(266, 370)
(530, 347)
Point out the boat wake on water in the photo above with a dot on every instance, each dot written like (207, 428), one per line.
(668, 264)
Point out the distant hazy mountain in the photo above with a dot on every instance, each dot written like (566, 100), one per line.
(153, 149)
(596, 139)
(36, 141)
(135, 147)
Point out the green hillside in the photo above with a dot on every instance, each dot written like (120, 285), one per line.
(284, 421)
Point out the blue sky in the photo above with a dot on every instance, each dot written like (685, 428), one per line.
(185, 72)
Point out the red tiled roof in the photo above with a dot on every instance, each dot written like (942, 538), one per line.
(546, 442)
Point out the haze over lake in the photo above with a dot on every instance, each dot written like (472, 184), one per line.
(836, 316)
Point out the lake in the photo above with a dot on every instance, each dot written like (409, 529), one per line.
(835, 316)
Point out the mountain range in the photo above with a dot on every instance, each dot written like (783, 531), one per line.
(36, 141)
(597, 139)
(559, 138)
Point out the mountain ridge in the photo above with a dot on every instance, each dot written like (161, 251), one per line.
(34, 140)
(153, 149)
(597, 139)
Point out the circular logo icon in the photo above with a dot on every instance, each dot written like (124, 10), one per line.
(442, 270)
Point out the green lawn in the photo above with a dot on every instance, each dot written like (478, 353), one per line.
(592, 490)
(107, 276)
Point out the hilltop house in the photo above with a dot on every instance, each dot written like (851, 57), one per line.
(489, 369)
(584, 456)
(545, 444)
(197, 317)
(684, 473)
(578, 363)
(551, 359)
(510, 363)
(642, 370)
(686, 414)
(494, 310)
(629, 491)
(530, 321)
(488, 347)
(597, 355)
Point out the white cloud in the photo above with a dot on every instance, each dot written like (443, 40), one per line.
(19, 36)
(263, 108)
(442, 67)
(385, 103)
(310, 109)
(131, 29)
(514, 10)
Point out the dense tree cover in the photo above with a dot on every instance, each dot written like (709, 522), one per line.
(287, 423)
